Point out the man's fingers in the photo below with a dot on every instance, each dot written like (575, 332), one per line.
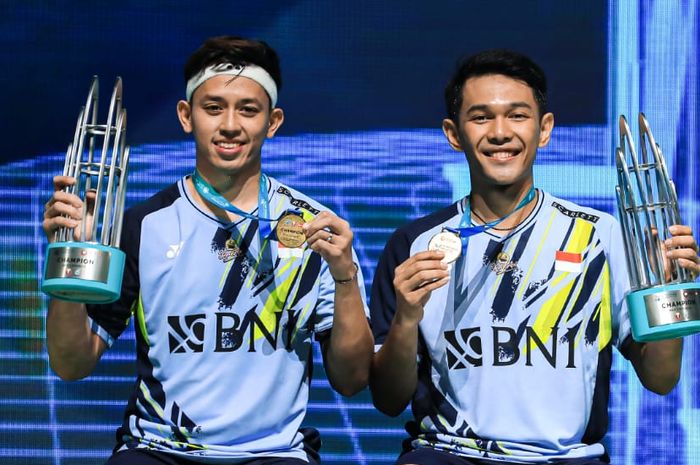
(53, 224)
(684, 241)
(687, 254)
(59, 209)
(416, 279)
(63, 197)
(431, 259)
(680, 230)
(691, 265)
(417, 294)
(436, 284)
(328, 222)
(61, 182)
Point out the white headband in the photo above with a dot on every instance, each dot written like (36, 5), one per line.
(254, 72)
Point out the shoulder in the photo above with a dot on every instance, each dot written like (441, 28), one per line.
(158, 201)
(400, 242)
(604, 225)
(420, 225)
(570, 209)
(295, 198)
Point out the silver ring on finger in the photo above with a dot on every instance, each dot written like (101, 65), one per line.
(330, 238)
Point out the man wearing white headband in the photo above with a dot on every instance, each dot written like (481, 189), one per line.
(229, 276)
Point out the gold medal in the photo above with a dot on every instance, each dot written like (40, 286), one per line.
(448, 243)
(290, 232)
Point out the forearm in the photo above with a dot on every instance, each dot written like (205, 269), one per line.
(351, 344)
(73, 348)
(658, 364)
(394, 372)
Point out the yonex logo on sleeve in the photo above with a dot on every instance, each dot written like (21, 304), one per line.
(174, 250)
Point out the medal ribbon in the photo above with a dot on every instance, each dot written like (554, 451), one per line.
(467, 228)
(209, 193)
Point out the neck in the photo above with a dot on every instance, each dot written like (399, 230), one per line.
(240, 189)
(494, 203)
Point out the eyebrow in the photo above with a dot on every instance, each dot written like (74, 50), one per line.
(484, 107)
(218, 98)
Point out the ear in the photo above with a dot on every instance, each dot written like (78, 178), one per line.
(546, 127)
(184, 114)
(275, 121)
(452, 133)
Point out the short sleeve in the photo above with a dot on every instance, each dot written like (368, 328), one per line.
(620, 287)
(383, 300)
(109, 320)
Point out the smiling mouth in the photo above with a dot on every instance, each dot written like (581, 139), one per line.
(502, 154)
(228, 145)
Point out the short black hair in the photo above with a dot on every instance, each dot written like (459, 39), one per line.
(236, 51)
(496, 61)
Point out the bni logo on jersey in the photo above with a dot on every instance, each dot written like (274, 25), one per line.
(568, 262)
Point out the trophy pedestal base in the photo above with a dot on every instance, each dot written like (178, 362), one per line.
(83, 272)
(664, 312)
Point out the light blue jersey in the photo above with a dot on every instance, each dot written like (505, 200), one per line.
(224, 329)
(515, 351)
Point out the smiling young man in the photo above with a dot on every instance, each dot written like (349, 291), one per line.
(497, 315)
(229, 276)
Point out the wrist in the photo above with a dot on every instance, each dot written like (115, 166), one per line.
(405, 321)
(347, 280)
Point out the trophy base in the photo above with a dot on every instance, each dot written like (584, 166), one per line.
(664, 312)
(83, 272)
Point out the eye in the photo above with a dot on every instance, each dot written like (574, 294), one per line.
(519, 116)
(250, 110)
(212, 108)
(478, 118)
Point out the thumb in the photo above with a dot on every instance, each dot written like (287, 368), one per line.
(90, 198)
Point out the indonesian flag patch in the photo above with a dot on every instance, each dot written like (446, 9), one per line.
(569, 262)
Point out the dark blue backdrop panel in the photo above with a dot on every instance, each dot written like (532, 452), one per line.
(346, 65)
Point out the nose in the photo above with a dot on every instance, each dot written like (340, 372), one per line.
(229, 123)
(500, 131)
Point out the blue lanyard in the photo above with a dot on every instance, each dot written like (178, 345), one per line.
(209, 193)
(467, 228)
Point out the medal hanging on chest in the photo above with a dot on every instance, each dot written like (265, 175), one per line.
(290, 230)
(448, 242)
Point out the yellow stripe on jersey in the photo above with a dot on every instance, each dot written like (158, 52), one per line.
(581, 283)
(503, 448)
(580, 236)
(545, 234)
(605, 318)
(147, 395)
(281, 294)
(258, 260)
(225, 273)
(141, 318)
(552, 309)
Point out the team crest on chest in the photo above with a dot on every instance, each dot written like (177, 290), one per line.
(229, 251)
(503, 264)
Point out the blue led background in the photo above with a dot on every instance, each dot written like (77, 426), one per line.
(362, 95)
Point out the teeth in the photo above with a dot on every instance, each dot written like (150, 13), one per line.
(227, 145)
(502, 155)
